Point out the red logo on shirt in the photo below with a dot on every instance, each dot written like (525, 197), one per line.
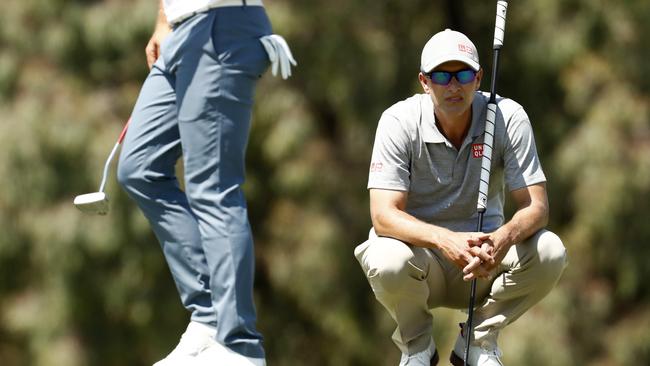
(376, 167)
(477, 150)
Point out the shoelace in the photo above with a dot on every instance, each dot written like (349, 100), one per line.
(415, 357)
(493, 353)
(279, 54)
(492, 350)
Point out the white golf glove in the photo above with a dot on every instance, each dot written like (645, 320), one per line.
(279, 54)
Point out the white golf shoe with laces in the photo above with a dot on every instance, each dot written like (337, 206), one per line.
(484, 354)
(197, 338)
(428, 357)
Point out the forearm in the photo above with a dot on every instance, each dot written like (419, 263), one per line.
(152, 50)
(400, 225)
(161, 20)
(523, 224)
(389, 218)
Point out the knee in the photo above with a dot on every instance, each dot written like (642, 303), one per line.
(390, 265)
(552, 253)
(128, 175)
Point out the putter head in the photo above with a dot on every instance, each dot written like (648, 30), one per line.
(93, 203)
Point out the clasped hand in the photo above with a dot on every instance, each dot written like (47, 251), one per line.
(474, 252)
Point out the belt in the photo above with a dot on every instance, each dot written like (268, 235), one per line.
(219, 4)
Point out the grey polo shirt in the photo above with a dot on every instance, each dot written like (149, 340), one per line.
(410, 154)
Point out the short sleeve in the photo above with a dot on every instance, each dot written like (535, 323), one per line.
(522, 166)
(391, 156)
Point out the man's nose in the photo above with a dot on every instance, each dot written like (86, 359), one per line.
(453, 84)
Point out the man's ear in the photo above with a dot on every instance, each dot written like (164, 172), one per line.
(479, 78)
(424, 82)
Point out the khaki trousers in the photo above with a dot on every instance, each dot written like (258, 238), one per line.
(409, 281)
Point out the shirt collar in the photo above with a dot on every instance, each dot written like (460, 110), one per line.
(430, 132)
(478, 115)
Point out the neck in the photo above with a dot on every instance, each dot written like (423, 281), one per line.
(455, 128)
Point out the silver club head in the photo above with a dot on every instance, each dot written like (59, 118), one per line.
(92, 203)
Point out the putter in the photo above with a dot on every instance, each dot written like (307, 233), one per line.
(488, 140)
(97, 202)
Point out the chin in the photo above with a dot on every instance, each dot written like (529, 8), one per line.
(455, 111)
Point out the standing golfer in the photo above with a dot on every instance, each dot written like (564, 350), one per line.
(424, 177)
(205, 58)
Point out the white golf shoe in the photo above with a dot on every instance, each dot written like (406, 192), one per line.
(197, 338)
(428, 357)
(218, 355)
(485, 354)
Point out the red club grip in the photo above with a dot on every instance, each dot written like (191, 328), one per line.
(126, 126)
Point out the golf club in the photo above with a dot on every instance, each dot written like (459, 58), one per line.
(97, 202)
(488, 140)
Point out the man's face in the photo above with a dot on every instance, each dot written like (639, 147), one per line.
(453, 100)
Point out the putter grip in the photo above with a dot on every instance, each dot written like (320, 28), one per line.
(486, 161)
(500, 24)
(126, 126)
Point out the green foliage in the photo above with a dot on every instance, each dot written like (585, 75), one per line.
(82, 290)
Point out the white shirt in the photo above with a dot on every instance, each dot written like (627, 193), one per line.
(177, 10)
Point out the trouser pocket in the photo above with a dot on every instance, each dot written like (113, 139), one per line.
(235, 38)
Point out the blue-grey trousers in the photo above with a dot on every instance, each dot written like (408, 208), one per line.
(196, 103)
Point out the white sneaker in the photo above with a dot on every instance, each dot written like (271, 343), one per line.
(196, 338)
(218, 355)
(485, 354)
(428, 357)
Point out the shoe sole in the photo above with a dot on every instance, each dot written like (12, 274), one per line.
(455, 360)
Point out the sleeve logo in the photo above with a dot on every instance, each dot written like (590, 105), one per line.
(376, 167)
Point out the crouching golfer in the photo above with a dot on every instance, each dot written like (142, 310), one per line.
(423, 183)
(205, 58)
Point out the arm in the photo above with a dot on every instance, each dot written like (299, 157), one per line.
(152, 50)
(531, 216)
(389, 218)
(523, 171)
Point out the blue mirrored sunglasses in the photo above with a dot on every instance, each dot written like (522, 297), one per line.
(444, 77)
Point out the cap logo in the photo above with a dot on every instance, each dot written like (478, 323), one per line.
(465, 48)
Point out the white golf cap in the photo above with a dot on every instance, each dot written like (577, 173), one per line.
(448, 45)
